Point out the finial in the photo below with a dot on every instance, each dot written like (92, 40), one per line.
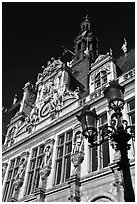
(124, 47)
(110, 51)
(86, 18)
(15, 99)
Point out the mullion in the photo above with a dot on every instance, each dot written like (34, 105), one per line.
(63, 158)
(11, 189)
(102, 149)
(10, 182)
(34, 172)
(11, 179)
(31, 172)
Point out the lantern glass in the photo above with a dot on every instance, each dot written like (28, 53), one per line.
(88, 120)
(83, 123)
(114, 94)
(91, 120)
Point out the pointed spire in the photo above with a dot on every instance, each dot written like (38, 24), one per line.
(87, 18)
(86, 24)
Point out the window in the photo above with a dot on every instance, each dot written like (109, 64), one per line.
(63, 161)
(100, 79)
(131, 111)
(131, 114)
(9, 188)
(99, 156)
(33, 173)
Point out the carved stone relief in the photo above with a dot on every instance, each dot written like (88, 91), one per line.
(46, 164)
(32, 119)
(10, 138)
(19, 177)
(77, 155)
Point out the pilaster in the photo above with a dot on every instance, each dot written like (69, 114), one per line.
(74, 182)
(40, 194)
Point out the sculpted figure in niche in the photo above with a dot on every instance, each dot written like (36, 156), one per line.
(47, 157)
(78, 142)
(21, 170)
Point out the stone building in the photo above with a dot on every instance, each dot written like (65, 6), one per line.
(45, 156)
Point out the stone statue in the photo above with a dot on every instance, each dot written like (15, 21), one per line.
(47, 157)
(78, 142)
(15, 99)
(21, 170)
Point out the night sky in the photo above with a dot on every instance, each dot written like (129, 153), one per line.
(32, 33)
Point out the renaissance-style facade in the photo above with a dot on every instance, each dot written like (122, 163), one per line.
(45, 156)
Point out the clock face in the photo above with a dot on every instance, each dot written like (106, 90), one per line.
(44, 110)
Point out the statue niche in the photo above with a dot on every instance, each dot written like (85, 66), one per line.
(19, 177)
(45, 167)
(77, 152)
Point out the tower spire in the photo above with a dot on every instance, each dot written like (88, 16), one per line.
(86, 44)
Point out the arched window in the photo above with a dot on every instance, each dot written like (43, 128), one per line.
(83, 27)
(87, 26)
(97, 80)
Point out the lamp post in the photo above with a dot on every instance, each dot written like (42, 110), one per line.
(118, 132)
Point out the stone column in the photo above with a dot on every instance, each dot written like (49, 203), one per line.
(40, 194)
(45, 170)
(74, 182)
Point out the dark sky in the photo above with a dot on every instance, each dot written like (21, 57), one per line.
(32, 33)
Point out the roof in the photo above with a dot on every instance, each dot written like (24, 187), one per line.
(126, 63)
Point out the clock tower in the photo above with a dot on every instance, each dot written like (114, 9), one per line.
(86, 51)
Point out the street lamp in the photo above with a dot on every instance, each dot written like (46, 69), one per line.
(88, 119)
(118, 132)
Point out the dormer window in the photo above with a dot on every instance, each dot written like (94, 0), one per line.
(100, 79)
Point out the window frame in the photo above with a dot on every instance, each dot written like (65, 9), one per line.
(66, 153)
(99, 78)
(129, 111)
(99, 161)
(12, 171)
(33, 176)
